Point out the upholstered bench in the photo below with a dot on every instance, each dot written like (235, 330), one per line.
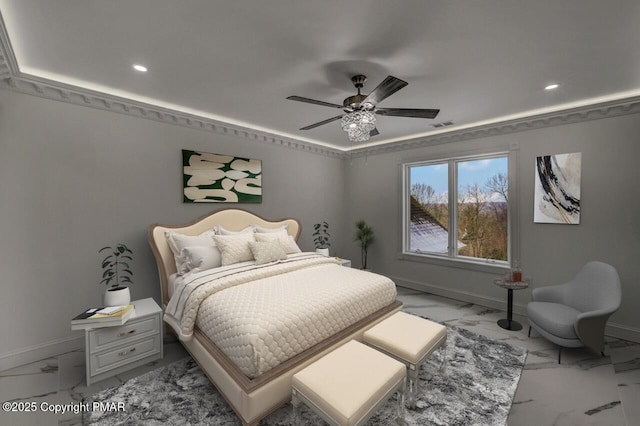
(348, 385)
(410, 339)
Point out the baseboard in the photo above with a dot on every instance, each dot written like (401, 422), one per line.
(35, 353)
(613, 329)
(462, 296)
(622, 332)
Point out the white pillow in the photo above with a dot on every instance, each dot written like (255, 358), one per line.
(219, 230)
(266, 252)
(235, 248)
(179, 241)
(287, 241)
(201, 257)
(291, 246)
(262, 230)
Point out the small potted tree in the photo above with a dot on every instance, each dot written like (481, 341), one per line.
(116, 274)
(321, 238)
(364, 237)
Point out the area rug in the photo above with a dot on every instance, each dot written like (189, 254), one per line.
(476, 388)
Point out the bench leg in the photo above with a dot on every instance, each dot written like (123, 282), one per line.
(443, 358)
(412, 384)
(295, 401)
(401, 401)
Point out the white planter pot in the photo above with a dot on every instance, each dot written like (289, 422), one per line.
(323, 251)
(117, 297)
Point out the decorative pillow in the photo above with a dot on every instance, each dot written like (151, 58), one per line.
(179, 241)
(201, 257)
(287, 241)
(235, 248)
(266, 252)
(219, 230)
(291, 246)
(262, 230)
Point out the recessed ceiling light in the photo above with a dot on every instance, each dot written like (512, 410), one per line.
(140, 68)
(552, 86)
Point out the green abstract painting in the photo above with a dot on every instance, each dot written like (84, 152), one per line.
(216, 178)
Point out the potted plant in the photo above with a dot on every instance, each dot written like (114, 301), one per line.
(116, 274)
(364, 236)
(321, 238)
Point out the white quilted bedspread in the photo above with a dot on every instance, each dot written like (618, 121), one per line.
(260, 317)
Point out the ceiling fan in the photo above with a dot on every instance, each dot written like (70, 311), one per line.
(359, 120)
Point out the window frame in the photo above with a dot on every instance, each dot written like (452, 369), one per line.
(450, 258)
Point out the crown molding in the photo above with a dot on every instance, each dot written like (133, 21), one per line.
(597, 111)
(8, 64)
(12, 79)
(58, 91)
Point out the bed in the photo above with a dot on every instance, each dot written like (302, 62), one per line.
(252, 368)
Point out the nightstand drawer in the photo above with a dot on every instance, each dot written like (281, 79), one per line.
(116, 357)
(134, 329)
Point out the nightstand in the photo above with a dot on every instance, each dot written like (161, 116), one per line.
(112, 350)
(343, 262)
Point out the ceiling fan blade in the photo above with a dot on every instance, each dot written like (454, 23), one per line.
(328, 120)
(408, 112)
(388, 87)
(374, 132)
(313, 101)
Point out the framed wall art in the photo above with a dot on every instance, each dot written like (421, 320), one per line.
(217, 178)
(557, 191)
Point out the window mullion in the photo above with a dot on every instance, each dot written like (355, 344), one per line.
(453, 207)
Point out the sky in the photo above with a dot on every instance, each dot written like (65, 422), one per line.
(469, 172)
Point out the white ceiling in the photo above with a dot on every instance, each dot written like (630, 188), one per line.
(236, 61)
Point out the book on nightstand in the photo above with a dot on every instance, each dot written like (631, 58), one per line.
(111, 316)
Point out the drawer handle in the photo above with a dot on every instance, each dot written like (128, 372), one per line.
(126, 333)
(127, 352)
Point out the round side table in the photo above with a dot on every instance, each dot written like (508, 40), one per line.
(509, 323)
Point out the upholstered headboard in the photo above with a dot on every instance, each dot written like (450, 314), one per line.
(231, 219)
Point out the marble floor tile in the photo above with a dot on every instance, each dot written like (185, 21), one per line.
(630, 398)
(567, 395)
(585, 389)
(37, 379)
(61, 380)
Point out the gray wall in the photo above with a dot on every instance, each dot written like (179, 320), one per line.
(609, 230)
(74, 179)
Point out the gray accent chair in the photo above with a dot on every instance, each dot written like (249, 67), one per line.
(574, 314)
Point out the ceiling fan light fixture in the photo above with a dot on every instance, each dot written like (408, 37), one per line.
(358, 125)
(359, 118)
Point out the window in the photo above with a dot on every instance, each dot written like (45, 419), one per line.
(457, 208)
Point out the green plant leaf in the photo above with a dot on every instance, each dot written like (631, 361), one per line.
(114, 265)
